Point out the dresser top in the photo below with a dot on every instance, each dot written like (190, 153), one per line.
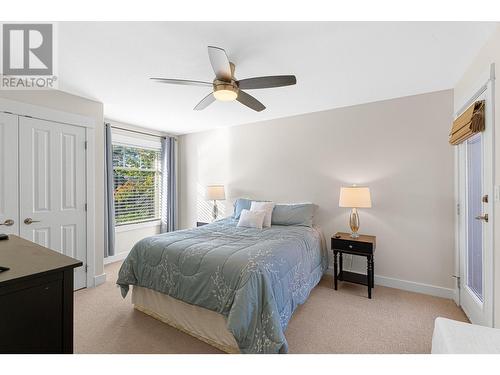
(361, 238)
(27, 259)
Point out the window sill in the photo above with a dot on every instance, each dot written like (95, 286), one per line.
(129, 227)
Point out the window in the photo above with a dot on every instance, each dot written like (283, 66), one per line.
(137, 183)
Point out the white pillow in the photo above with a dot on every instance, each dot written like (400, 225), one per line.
(264, 206)
(251, 219)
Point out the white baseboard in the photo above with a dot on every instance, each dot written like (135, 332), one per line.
(99, 279)
(410, 286)
(116, 257)
(456, 296)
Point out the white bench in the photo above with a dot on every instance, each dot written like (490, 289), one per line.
(453, 337)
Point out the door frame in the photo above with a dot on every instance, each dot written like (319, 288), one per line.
(89, 123)
(487, 87)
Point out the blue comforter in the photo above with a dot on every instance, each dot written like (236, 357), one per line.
(254, 277)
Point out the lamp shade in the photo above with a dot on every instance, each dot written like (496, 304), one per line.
(355, 197)
(215, 193)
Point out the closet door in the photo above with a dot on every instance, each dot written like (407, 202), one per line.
(52, 188)
(9, 208)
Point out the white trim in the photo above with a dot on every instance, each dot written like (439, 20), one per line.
(136, 140)
(410, 286)
(413, 286)
(116, 258)
(43, 113)
(457, 217)
(99, 279)
(122, 126)
(134, 226)
(90, 170)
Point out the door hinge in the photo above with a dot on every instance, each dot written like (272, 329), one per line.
(458, 280)
(85, 144)
(86, 268)
(85, 206)
(458, 209)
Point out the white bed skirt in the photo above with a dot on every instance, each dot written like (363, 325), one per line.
(204, 324)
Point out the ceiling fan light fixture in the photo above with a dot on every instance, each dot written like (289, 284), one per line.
(225, 95)
(225, 92)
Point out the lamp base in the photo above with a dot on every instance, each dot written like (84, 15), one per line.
(215, 211)
(354, 223)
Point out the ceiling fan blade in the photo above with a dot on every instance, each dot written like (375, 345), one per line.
(182, 82)
(220, 63)
(250, 101)
(205, 102)
(267, 82)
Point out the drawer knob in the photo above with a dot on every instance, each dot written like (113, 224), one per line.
(350, 246)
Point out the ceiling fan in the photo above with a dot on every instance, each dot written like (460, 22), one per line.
(226, 87)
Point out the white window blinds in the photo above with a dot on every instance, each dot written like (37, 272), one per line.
(137, 184)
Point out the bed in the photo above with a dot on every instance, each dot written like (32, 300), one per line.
(232, 287)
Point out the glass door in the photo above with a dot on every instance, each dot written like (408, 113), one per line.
(475, 226)
(475, 218)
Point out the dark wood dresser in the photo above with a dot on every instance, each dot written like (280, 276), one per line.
(36, 298)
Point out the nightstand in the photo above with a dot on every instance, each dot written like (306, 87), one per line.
(200, 223)
(362, 246)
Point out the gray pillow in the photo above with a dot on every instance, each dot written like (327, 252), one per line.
(293, 214)
(239, 205)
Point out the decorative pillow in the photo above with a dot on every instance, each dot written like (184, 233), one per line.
(252, 219)
(293, 214)
(264, 206)
(239, 205)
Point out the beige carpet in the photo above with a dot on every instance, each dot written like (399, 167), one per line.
(342, 321)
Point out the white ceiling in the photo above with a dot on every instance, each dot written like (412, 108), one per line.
(337, 64)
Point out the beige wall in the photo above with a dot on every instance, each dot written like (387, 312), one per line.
(471, 81)
(65, 102)
(126, 239)
(397, 147)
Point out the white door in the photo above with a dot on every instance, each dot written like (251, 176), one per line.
(52, 188)
(476, 227)
(9, 210)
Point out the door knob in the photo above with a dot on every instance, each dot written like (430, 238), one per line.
(8, 222)
(29, 221)
(482, 217)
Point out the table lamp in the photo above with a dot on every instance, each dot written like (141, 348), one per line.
(355, 197)
(215, 193)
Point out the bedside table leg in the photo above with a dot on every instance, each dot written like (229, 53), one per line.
(341, 266)
(373, 273)
(335, 270)
(369, 275)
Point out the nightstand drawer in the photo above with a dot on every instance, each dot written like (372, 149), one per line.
(354, 246)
